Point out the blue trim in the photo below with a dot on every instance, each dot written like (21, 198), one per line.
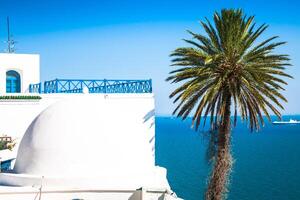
(6, 165)
(94, 86)
(13, 82)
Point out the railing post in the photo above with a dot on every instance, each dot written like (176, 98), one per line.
(150, 85)
(56, 85)
(104, 85)
(40, 88)
(45, 87)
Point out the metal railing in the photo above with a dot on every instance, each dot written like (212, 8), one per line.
(5, 139)
(35, 88)
(92, 86)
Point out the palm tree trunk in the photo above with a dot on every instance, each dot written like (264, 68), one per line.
(217, 186)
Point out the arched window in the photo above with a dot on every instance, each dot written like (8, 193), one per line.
(13, 82)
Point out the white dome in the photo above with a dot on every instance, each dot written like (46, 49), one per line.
(90, 138)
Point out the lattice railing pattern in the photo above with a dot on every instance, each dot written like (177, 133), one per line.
(93, 86)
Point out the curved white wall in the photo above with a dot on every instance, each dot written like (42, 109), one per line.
(90, 134)
(106, 140)
(17, 115)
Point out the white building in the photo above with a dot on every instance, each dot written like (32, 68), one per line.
(17, 71)
(96, 143)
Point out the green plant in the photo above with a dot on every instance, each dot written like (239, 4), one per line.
(6, 142)
(228, 70)
(3, 145)
(19, 97)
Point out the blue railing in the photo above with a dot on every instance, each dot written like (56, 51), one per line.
(35, 88)
(93, 86)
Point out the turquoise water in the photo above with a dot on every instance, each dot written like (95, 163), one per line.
(267, 163)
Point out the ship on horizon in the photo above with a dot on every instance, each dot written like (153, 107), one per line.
(291, 121)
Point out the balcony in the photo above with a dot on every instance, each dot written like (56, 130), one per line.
(92, 86)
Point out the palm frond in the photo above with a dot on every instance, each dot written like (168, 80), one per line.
(227, 60)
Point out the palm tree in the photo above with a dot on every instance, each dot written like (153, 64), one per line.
(225, 72)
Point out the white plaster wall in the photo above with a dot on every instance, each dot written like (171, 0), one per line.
(91, 127)
(16, 116)
(103, 140)
(30, 193)
(27, 65)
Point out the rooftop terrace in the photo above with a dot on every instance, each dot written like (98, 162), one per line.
(92, 86)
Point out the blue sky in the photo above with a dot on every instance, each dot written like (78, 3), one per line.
(131, 39)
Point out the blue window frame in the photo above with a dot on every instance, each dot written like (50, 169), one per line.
(5, 165)
(13, 82)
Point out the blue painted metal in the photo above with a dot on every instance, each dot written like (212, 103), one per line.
(13, 82)
(94, 86)
(6, 165)
(35, 88)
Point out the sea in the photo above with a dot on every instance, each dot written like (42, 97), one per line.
(266, 163)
